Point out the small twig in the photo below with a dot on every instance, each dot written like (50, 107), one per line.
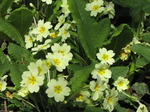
(5, 106)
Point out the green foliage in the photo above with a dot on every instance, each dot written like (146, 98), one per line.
(16, 73)
(4, 5)
(146, 38)
(118, 108)
(119, 71)
(120, 38)
(142, 50)
(4, 64)
(20, 54)
(93, 109)
(137, 7)
(11, 32)
(141, 89)
(91, 33)
(80, 77)
(141, 62)
(21, 19)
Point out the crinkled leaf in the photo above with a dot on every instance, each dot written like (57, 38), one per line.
(11, 32)
(119, 71)
(118, 108)
(120, 38)
(20, 54)
(16, 73)
(80, 77)
(141, 62)
(146, 38)
(141, 89)
(142, 50)
(21, 18)
(4, 64)
(91, 33)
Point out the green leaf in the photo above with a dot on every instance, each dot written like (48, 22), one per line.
(141, 89)
(93, 109)
(118, 108)
(20, 54)
(80, 77)
(120, 38)
(11, 32)
(21, 18)
(141, 61)
(91, 33)
(137, 7)
(16, 73)
(4, 5)
(146, 38)
(119, 71)
(4, 64)
(142, 50)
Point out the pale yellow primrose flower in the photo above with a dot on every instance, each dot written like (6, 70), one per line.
(29, 39)
(65, 7)
(110, 100)
(82, 96)
(106, 57)
(42, 30)
(63, 32)
(63, 49)
(47, 1)
(95, 7)
(142, 108)
(121, 83)
(61, 20)
(3, 83)
(109, 9)
(32, 81)
(38, 66)
(97, 88)
(58, 89)
(23, 92)
(58, 61)
(101, 71)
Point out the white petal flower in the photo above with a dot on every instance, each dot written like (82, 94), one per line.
(121, 83)
(3, 83)
(29, 39)
(58, 89)
(63, 32)
(109, 9)
(95, 7)
(23, 92)
(38, 66)
(65, 6)
(101, 71)
(32, 81)
(111, 99)
(97, 88)
(42, 30)
(106, 57)
(82, 96)
(57, 60)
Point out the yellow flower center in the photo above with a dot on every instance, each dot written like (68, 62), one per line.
(95, 7)
(54, 35)
(97, 87)
(56, 61)
(42, 30)
(39, 70)
(30, 39)
(101, 71)
(47, 63)
(57, 89)
(105, 57)
(65, 32)
(31, 80)
(120, 83)
(80, 97)
(62, 52)
(109, 100)
(1, 86)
